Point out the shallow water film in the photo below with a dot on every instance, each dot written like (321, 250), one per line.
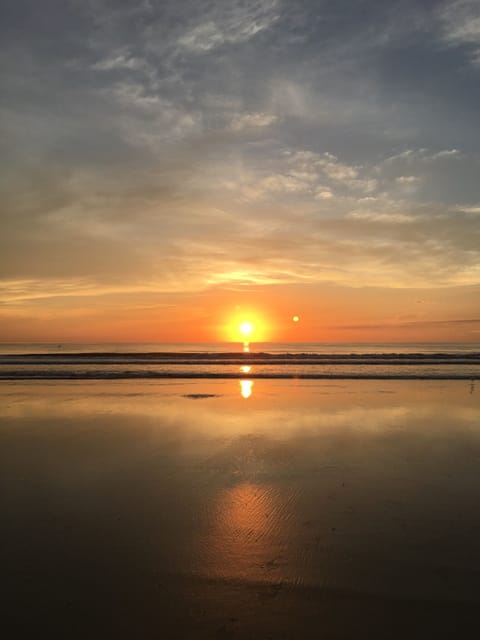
(241, 508)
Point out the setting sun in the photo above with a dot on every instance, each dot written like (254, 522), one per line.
(246, 329)
(246, 324)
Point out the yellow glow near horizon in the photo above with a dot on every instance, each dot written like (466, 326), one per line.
(246, 325)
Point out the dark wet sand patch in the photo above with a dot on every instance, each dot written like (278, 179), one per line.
(201, 396)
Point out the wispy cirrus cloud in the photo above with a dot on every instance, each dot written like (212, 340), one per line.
(230, 25)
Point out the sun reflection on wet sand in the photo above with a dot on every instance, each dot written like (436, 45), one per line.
(248, 534)
(246, 388)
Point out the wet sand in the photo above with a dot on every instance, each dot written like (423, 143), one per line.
(309, 509)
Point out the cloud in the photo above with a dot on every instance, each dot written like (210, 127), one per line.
(202, 38)
(415, 324)
(242, 121)
(242, 23)
(421, 156)
(120, 61)
(382, 218)
(407, 180)
(323, 194)
(461, 20)
(471, 210)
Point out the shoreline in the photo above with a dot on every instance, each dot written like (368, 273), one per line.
(151, 375)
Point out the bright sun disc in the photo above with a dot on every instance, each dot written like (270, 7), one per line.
(246, 328)
(246, 325)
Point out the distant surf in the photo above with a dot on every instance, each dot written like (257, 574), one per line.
(308, 361)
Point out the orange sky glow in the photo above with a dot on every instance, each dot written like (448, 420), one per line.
(326, 313)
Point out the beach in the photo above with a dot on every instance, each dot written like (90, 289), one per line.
(212, 508)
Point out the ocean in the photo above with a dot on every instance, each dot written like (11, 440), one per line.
(312, 360)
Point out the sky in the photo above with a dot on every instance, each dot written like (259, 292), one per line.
(170, 167)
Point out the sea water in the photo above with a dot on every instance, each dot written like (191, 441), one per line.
(233, 360)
